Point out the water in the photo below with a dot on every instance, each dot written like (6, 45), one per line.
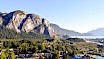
(94, 56)
(88, 37)
(97, 57)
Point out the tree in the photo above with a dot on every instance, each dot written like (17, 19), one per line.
(2, 55)
(102, 50)
(69, 50)
(66, 56)
(0, 12)
(24, 46)
(75, 52)
(41, 46)
(6, 52)
(55, 56)
(11, 55)
(36, 49)
(60, 48)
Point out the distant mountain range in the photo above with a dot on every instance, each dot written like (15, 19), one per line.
(97, 32)
(61, 31)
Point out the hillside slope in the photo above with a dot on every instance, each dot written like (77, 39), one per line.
(61, 31)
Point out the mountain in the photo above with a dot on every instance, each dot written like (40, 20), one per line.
(61, 31)
(21, 21)
(97, 32)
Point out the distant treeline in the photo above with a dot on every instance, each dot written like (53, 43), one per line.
(76, 40)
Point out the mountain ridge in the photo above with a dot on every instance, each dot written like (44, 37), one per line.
(24, 22)
(21, 21)
(60, 31)
(97, 32)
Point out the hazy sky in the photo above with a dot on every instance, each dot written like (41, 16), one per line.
(78, 15)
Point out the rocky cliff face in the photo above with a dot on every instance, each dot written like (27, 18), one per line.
(21, 21)
(1, 20)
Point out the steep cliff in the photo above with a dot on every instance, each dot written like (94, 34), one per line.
(21, 21)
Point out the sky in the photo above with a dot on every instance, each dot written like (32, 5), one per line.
(77, 15)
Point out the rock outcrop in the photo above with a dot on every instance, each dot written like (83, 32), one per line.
(21, 21)
(1, 20)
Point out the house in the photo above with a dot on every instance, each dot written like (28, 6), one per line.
(11, 49)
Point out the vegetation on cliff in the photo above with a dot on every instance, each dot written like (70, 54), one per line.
(12, 34)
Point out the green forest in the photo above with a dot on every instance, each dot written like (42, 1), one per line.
(12, 34)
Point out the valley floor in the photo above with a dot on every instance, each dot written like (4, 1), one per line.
(49, 48)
